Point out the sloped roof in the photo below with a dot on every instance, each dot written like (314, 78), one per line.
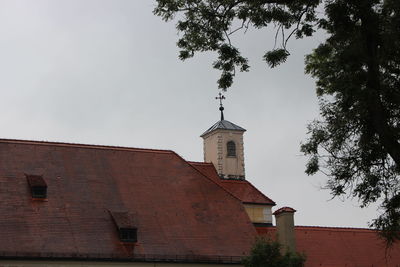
(224, 125)
(176, 209)
(242, 189)
(207, 169)
(334, 246)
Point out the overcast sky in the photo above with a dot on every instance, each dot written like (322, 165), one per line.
(106, 72)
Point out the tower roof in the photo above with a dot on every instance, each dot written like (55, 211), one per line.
(224, 125)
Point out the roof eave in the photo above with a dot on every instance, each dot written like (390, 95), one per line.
(220, 129)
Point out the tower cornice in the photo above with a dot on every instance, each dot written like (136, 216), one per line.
(223, 125)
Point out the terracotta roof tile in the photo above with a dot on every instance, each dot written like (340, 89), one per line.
(207, 169)
(177, 210)
(242, 189)
(334, 246)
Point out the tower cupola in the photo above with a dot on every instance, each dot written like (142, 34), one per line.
(223, 146)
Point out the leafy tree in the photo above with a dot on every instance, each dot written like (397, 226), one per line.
(268, 253)
(357, 72)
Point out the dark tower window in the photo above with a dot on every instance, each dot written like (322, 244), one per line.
(231, 148)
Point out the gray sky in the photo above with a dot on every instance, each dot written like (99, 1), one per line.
(106, 72)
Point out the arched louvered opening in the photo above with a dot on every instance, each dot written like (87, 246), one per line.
(231, 148)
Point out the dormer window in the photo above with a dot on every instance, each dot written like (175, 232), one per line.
(38, 186)
(126, 229)
(231, 149)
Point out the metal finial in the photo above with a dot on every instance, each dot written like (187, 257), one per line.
(221, 108)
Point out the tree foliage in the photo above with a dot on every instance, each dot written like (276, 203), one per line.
(206, 25)
(358, 84)
(357, 72)
(268, 253)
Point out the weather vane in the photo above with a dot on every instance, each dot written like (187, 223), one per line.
(221, 108)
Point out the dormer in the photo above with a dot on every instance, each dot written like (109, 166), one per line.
(127, 231)
(37, 185)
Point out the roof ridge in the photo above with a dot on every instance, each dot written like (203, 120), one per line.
(198, 162)
(234, 181)
(316, 227)
(92, 146)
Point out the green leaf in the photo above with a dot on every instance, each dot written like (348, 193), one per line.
(276, 57)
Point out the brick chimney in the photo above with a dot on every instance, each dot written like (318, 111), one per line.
(284, 218)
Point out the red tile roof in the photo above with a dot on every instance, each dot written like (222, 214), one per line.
(176, 209)
(332, 246)
(207, 169)
(242, 189)
(181, 210)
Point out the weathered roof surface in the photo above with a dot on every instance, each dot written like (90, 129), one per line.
(224, 125)
(207, 169)
(332, 246)
(176, 209)
(242, 189)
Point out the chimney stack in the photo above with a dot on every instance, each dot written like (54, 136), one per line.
(284, 218)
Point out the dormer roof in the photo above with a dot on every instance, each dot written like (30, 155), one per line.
(224, 125)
